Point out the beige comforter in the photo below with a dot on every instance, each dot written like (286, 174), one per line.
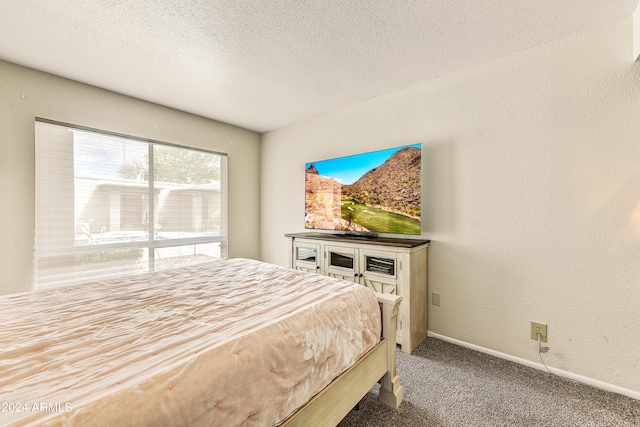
(235, 342)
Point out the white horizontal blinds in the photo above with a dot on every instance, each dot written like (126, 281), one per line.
(109, 205)
(54, 233)
(82, 205)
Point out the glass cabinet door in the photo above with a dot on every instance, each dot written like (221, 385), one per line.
(379, 272)
(307, 257)
(342, 262)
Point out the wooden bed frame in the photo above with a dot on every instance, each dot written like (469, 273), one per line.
(335, 401)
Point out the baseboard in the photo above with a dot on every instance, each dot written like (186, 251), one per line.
(579, 378)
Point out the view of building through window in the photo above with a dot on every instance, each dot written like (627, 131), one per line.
(111, 205)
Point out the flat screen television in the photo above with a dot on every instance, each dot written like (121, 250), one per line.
(366, 194)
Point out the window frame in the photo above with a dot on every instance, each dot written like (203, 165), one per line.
(152, 243)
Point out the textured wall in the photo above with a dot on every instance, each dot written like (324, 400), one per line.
(532, 182)
(59, 99)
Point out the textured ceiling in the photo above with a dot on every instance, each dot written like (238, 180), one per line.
(263, 64)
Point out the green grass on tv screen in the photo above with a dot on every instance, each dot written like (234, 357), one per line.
(378, 220)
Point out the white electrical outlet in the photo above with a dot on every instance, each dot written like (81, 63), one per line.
(540, 328)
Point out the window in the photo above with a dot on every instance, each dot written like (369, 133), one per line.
(110, 205)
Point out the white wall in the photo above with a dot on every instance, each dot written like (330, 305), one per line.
(533, 196)
(63, 100)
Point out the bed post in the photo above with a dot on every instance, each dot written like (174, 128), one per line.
(390, 390)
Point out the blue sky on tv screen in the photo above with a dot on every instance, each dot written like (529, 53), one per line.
(347, 170)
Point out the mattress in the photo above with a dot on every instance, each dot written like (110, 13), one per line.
(234, 342)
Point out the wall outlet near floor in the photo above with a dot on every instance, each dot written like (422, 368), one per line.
(435, 298)
(542, 328)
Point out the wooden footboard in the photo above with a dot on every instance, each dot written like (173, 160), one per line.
(391, 390)
(335, 401)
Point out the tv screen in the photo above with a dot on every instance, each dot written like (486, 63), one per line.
(375, 192)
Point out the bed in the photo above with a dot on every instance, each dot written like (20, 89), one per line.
(230, 342)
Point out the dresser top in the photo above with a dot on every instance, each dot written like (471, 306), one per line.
(381, 241)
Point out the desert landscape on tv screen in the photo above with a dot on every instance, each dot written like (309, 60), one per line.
(371, 192)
